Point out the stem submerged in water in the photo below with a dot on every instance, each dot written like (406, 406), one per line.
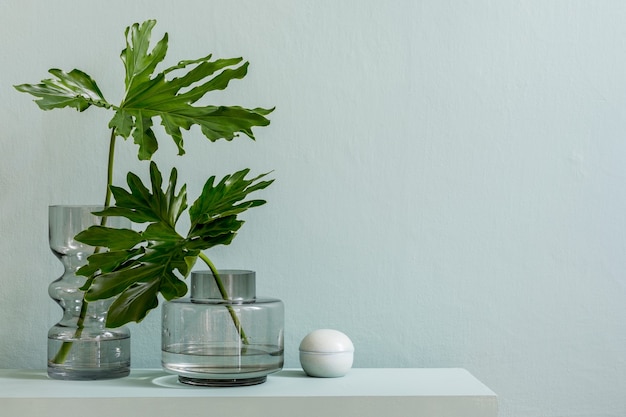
(220, 286)
(66, 347)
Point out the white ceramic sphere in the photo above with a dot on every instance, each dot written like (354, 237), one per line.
(326, 353)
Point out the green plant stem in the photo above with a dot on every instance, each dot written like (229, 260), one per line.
(111, 160)
(224, 294)
(66, 347)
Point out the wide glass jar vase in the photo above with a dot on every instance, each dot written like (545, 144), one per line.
(80, 346)
(223, 334)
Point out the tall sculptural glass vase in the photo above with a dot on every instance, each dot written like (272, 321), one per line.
(80, 346)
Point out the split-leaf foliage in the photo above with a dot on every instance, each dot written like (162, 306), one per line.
(149, 95)
(134, 266)
(142, 264)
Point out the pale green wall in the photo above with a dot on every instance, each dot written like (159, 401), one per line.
(449, 178)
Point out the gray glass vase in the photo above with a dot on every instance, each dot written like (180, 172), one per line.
(80, 346)
(223, 336)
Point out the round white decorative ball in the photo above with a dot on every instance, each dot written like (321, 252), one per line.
(326, 353)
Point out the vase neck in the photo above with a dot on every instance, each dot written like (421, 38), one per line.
(71, 263)
(237, 285)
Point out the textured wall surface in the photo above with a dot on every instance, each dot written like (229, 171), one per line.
(449, 178)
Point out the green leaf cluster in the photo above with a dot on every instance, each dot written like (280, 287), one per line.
(165, 95)
(141, 264)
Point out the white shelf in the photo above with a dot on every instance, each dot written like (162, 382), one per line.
(289, 393)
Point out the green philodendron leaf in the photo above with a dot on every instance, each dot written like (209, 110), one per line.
(172, 287)
(152, 94)
(107, 285)
(169, 95)
(112, 238)
(161, 232)
(176, 204)
(225, 198)
(123, 123)
(107, 261)
(74, 89)
(218, 227)
(138, 61)
(143, 135)
(142, 264)
(134, 303)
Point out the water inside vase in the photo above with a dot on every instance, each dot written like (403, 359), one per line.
(212, 361)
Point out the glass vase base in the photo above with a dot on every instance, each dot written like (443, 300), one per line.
(87, 374)
(88, 358)
(235, 382)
